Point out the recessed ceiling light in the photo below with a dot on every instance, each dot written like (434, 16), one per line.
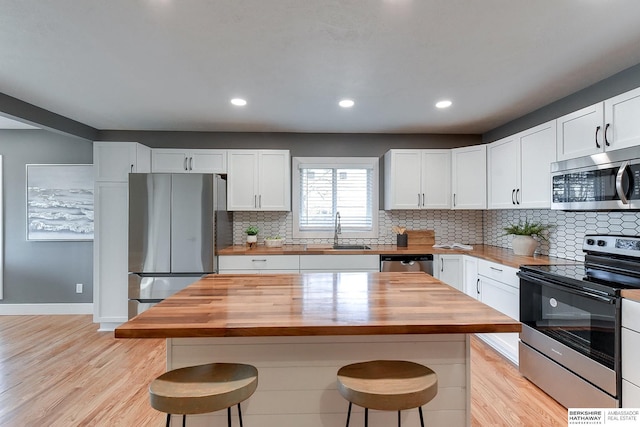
(346, 103)
(443, 104)
(239, 102)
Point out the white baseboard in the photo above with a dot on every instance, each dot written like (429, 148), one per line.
(41, 309)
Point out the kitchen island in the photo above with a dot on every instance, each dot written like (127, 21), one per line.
(298, 329)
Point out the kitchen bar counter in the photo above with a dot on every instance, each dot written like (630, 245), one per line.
(313, 304)
(299, 329)
(489, 253)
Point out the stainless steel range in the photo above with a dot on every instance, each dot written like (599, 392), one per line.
(570, 314)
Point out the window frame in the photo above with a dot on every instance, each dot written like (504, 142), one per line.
(336, 162)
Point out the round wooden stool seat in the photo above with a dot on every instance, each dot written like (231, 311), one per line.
(387, 385)
(203, 388)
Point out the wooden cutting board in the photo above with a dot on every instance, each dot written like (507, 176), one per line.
(421, 237)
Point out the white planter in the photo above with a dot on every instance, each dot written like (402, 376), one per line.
(252, 239)
(524, 245)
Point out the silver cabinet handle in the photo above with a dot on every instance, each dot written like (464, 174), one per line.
(186, 159)
(418, 199)
(423, 200)
(454, 200)
(258, 260)
(255, 201)
(260, 200)
(441, 264)
(619, 189)
(190, 163)
(496, 269)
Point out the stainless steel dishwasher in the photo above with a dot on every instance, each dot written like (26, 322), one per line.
(407, 263)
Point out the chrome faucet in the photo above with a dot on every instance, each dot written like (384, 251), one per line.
(337, 229)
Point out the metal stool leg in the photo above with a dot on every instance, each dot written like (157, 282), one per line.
(184, 420)
(421, 419)
(366, 417)
(229, 417)
(240, 415)
(168, 420)
(399, 422)
(349, 414)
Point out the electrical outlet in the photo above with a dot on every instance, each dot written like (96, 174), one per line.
(78, 288)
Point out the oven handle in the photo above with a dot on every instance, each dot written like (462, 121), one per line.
(552, 284)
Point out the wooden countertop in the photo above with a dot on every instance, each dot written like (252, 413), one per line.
(632, 294)
(489, 253)
(316, 304)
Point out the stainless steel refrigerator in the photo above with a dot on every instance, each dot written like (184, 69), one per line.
(176, 222)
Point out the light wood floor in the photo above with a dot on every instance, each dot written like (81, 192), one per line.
(58, 371)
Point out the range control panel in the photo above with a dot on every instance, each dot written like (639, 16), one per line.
(608, 244)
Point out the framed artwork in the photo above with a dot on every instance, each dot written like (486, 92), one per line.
(59, 202)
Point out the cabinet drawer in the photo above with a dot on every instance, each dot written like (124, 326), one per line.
(631, 315)
(340, 262)
(499, 272)
(259, 262)
(630, 350)
(630, 395)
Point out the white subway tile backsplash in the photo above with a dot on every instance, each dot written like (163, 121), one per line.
(462, 226)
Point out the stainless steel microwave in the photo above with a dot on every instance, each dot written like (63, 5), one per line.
(604, 181)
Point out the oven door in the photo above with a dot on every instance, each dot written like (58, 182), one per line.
(584, 323)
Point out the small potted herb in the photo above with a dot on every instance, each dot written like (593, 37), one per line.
(252, 235)
(523, 236)
(273, 241)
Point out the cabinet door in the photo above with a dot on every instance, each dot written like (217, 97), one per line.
(621, 120)
(537, 152)
(469, 177)
(580, 133)
(208, 161)
(242, 166)
(113, 161)
(402, 179)
(470, 276)
(502, 297)
(110, 253)
(436, 179)
(274, 180)
(503, 171)
(169, 161)
(450, 270)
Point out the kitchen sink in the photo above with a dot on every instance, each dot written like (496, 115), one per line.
(352, 247)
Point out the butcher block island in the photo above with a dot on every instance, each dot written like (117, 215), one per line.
(299, 329)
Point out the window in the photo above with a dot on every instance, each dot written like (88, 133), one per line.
(325, 186)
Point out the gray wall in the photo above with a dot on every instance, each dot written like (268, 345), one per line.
(607, 88)
(40, 272)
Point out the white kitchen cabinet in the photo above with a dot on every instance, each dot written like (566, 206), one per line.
(258, 180)
(470, 276)
(519, 169)
(188, 161)
(630, 350)
(469, 177)
(339, 263)
(417, 179)
(499, 288)
(113, 161)
(448, 269)
(255, 264)
(604, 126)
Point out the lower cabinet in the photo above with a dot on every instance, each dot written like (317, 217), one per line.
(448, 269)
(470, 281)
(255, 264)
(339, 263)
(499, 288)
(630, 350)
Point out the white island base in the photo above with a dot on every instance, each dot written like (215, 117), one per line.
(297, 377)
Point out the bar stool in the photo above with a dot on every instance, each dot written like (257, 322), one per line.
(202, 389)
(387, 385)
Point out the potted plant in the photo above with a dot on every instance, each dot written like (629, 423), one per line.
(252, 235)
(273, 241)
(523, 236)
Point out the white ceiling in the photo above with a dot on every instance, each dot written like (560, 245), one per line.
(175, 64)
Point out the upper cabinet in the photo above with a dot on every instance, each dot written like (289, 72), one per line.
(469, 177)
(607, 125)
(259, 180)
(114, 161)
(417, 179)
(518, 168)
(189, 161)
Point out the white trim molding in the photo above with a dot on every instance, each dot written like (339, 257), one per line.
(46, 309)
